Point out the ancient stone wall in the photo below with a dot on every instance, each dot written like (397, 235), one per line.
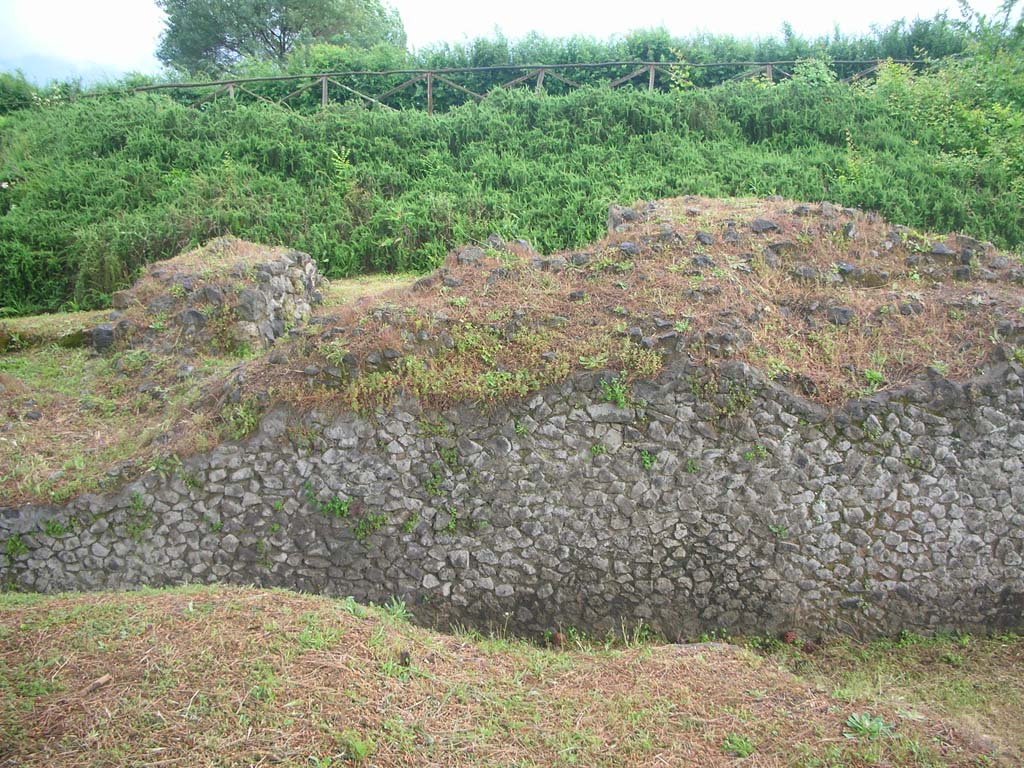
(697, 502)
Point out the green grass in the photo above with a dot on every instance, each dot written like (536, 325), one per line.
(198, 673)
(968, 678)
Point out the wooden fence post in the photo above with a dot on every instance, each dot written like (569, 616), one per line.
(650, 79)
(540, 80)
(430, 93)
(771, 74)
(231, 90)
(323, 91)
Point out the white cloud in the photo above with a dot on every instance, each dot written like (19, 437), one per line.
(115, 34)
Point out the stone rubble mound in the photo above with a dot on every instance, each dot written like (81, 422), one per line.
(240, 297)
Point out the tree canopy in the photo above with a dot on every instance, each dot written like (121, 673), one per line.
(210, 36)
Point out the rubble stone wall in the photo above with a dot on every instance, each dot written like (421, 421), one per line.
(709, 502)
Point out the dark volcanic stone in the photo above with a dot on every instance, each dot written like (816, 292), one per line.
(705, 238)
(191, 320)
(782, 247)
(212, 295)
(805, 272)
(944, 252)
(101, 337)
(763, 225)
(840, 315)
(424, 283)
(252, 305)
(471, 255)
(162, 303)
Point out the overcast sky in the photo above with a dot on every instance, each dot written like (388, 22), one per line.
(105, 38)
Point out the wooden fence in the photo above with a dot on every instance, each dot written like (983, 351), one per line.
(426, 82)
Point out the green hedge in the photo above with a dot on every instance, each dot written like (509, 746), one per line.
(98, 187)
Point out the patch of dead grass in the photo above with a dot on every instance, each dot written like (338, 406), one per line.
(227, 676)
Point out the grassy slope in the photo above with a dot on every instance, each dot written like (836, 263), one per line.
(227, 676)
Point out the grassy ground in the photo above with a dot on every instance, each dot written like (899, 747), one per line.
(227, 676)
(974, 681)
(72, 421)
(18, 333)
(340, 293)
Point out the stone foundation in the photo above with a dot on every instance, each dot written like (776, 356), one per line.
(708, 502)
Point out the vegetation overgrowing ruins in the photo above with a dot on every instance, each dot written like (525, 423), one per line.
(174, 268)
(832, 303)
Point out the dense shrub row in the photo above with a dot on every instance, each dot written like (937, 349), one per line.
(95, 188)
(920, 39)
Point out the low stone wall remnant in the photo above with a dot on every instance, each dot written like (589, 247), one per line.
(708, 502)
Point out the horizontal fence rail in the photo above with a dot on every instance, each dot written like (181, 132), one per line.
(418, 88)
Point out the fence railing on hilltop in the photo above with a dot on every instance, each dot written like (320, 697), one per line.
(419, 87)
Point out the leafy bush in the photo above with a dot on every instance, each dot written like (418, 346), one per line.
(15, 92)
(93, 189)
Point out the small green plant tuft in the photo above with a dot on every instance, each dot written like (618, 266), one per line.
(395, 608)
(433, 483)
(615, 391)
(336, 506)
(450, 456)
(874, 378)
(737, 745)
(647, 459)
(358, 748)
(368, 525)
(55, 528)
(593, 362)
(864, 725)
(757, 453)
(15, 547)
(240, 419)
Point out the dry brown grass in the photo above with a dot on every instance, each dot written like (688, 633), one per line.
(505, 327)
(219, 677)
